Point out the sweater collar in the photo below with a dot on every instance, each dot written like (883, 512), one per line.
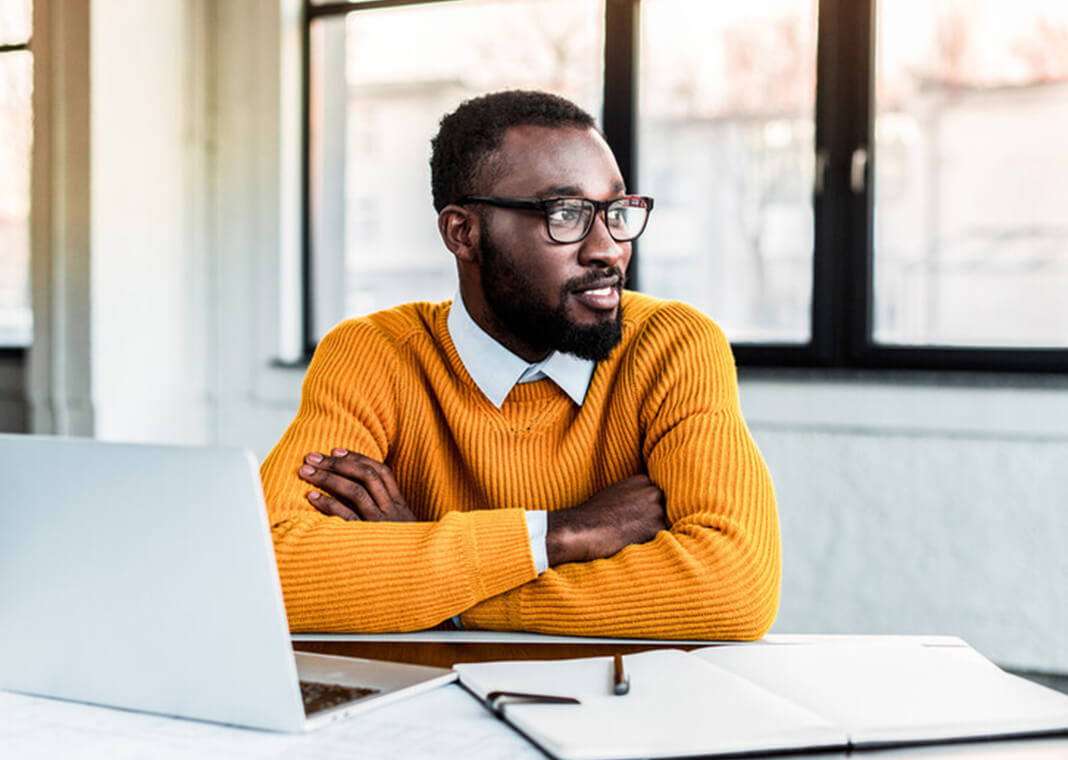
(496, 370)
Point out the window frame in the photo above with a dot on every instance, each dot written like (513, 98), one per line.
(7, 350)
(843, 299)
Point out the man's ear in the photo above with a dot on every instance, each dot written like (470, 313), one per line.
(459, 229)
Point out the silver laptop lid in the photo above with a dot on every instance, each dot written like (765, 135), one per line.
(142, 577)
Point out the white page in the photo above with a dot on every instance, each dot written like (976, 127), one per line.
(677, 705)
(895, 692)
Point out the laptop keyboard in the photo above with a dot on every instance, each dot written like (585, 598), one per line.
(322, 696)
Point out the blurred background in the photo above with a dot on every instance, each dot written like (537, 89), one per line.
(871, 198)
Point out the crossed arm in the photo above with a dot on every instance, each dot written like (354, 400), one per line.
(356, 487)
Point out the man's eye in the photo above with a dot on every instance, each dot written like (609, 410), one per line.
(565, 214)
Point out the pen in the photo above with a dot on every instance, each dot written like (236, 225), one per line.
(620, 679)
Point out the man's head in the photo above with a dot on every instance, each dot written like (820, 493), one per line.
(531, 292)
(465, 152)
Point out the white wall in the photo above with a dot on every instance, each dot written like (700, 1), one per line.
(121, 334)
(933, 505)
(148, 261)
(922, 507)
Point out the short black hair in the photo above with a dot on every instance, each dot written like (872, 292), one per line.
(468, 136)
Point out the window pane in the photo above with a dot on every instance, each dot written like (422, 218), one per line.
(374, 231)
(16, 81)
(971, 173)
(726, 135)
(15, 18)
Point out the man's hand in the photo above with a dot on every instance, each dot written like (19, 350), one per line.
(354, 487)
(629, 512)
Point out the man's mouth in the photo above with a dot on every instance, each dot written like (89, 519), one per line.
(602, 295)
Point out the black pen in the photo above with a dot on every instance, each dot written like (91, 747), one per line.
(620, 679)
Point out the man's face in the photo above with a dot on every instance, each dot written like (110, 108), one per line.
(550, 295)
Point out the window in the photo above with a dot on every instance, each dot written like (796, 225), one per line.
(971, 180)
(373, 235)
(838, 183)
(726, 131)
(16, 124)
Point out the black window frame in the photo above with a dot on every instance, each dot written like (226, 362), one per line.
(7, 351)
(842, 285)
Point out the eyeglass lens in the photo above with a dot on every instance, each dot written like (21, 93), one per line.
(570, 219)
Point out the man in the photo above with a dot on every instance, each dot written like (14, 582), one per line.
(545, 453)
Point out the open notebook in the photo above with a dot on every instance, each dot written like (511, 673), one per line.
(738, 699)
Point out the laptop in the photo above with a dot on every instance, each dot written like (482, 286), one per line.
(143, 577)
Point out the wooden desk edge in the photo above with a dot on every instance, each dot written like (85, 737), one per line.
(443, 654)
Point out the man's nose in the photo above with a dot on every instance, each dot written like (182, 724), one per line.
(600, 247)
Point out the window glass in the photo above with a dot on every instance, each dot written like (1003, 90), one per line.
(16, 82)
(15, 18)
(971, 173)
(380, 82)
(726, 138)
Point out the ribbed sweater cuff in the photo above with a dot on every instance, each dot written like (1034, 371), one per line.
(503, 612)
(495, 542)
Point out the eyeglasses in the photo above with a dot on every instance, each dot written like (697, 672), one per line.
(570, 220)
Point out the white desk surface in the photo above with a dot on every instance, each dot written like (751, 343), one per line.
(506, 637)
(444, 723)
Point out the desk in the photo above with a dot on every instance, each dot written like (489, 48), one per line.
(444, 723)
(445, 649)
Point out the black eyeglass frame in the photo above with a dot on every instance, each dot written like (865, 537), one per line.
(544, 204)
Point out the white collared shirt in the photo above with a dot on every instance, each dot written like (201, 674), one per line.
(496, 370)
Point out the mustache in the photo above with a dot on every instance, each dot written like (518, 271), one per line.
(596, 277)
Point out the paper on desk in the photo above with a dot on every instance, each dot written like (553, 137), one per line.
(898, 691)
(677, 705)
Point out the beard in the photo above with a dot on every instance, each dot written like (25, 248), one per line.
(510, 295)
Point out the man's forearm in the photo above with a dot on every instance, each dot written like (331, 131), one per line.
(377, 577)
(699, 580)
(626, 513)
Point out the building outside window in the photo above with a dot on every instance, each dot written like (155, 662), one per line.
(16, 128)
(837, 184)
(726, 137)
(379, 82)
(971, 174)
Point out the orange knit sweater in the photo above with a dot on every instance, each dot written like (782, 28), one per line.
(391, 386)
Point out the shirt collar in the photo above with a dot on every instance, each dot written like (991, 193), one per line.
(496, 370)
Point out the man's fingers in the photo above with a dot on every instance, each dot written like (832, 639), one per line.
(349, 492)
(363, 484)
(328, 505)
(379, 470)
(374, 476)
(367, 472)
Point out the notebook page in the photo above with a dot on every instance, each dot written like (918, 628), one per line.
(677, 705)
(889, 693)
